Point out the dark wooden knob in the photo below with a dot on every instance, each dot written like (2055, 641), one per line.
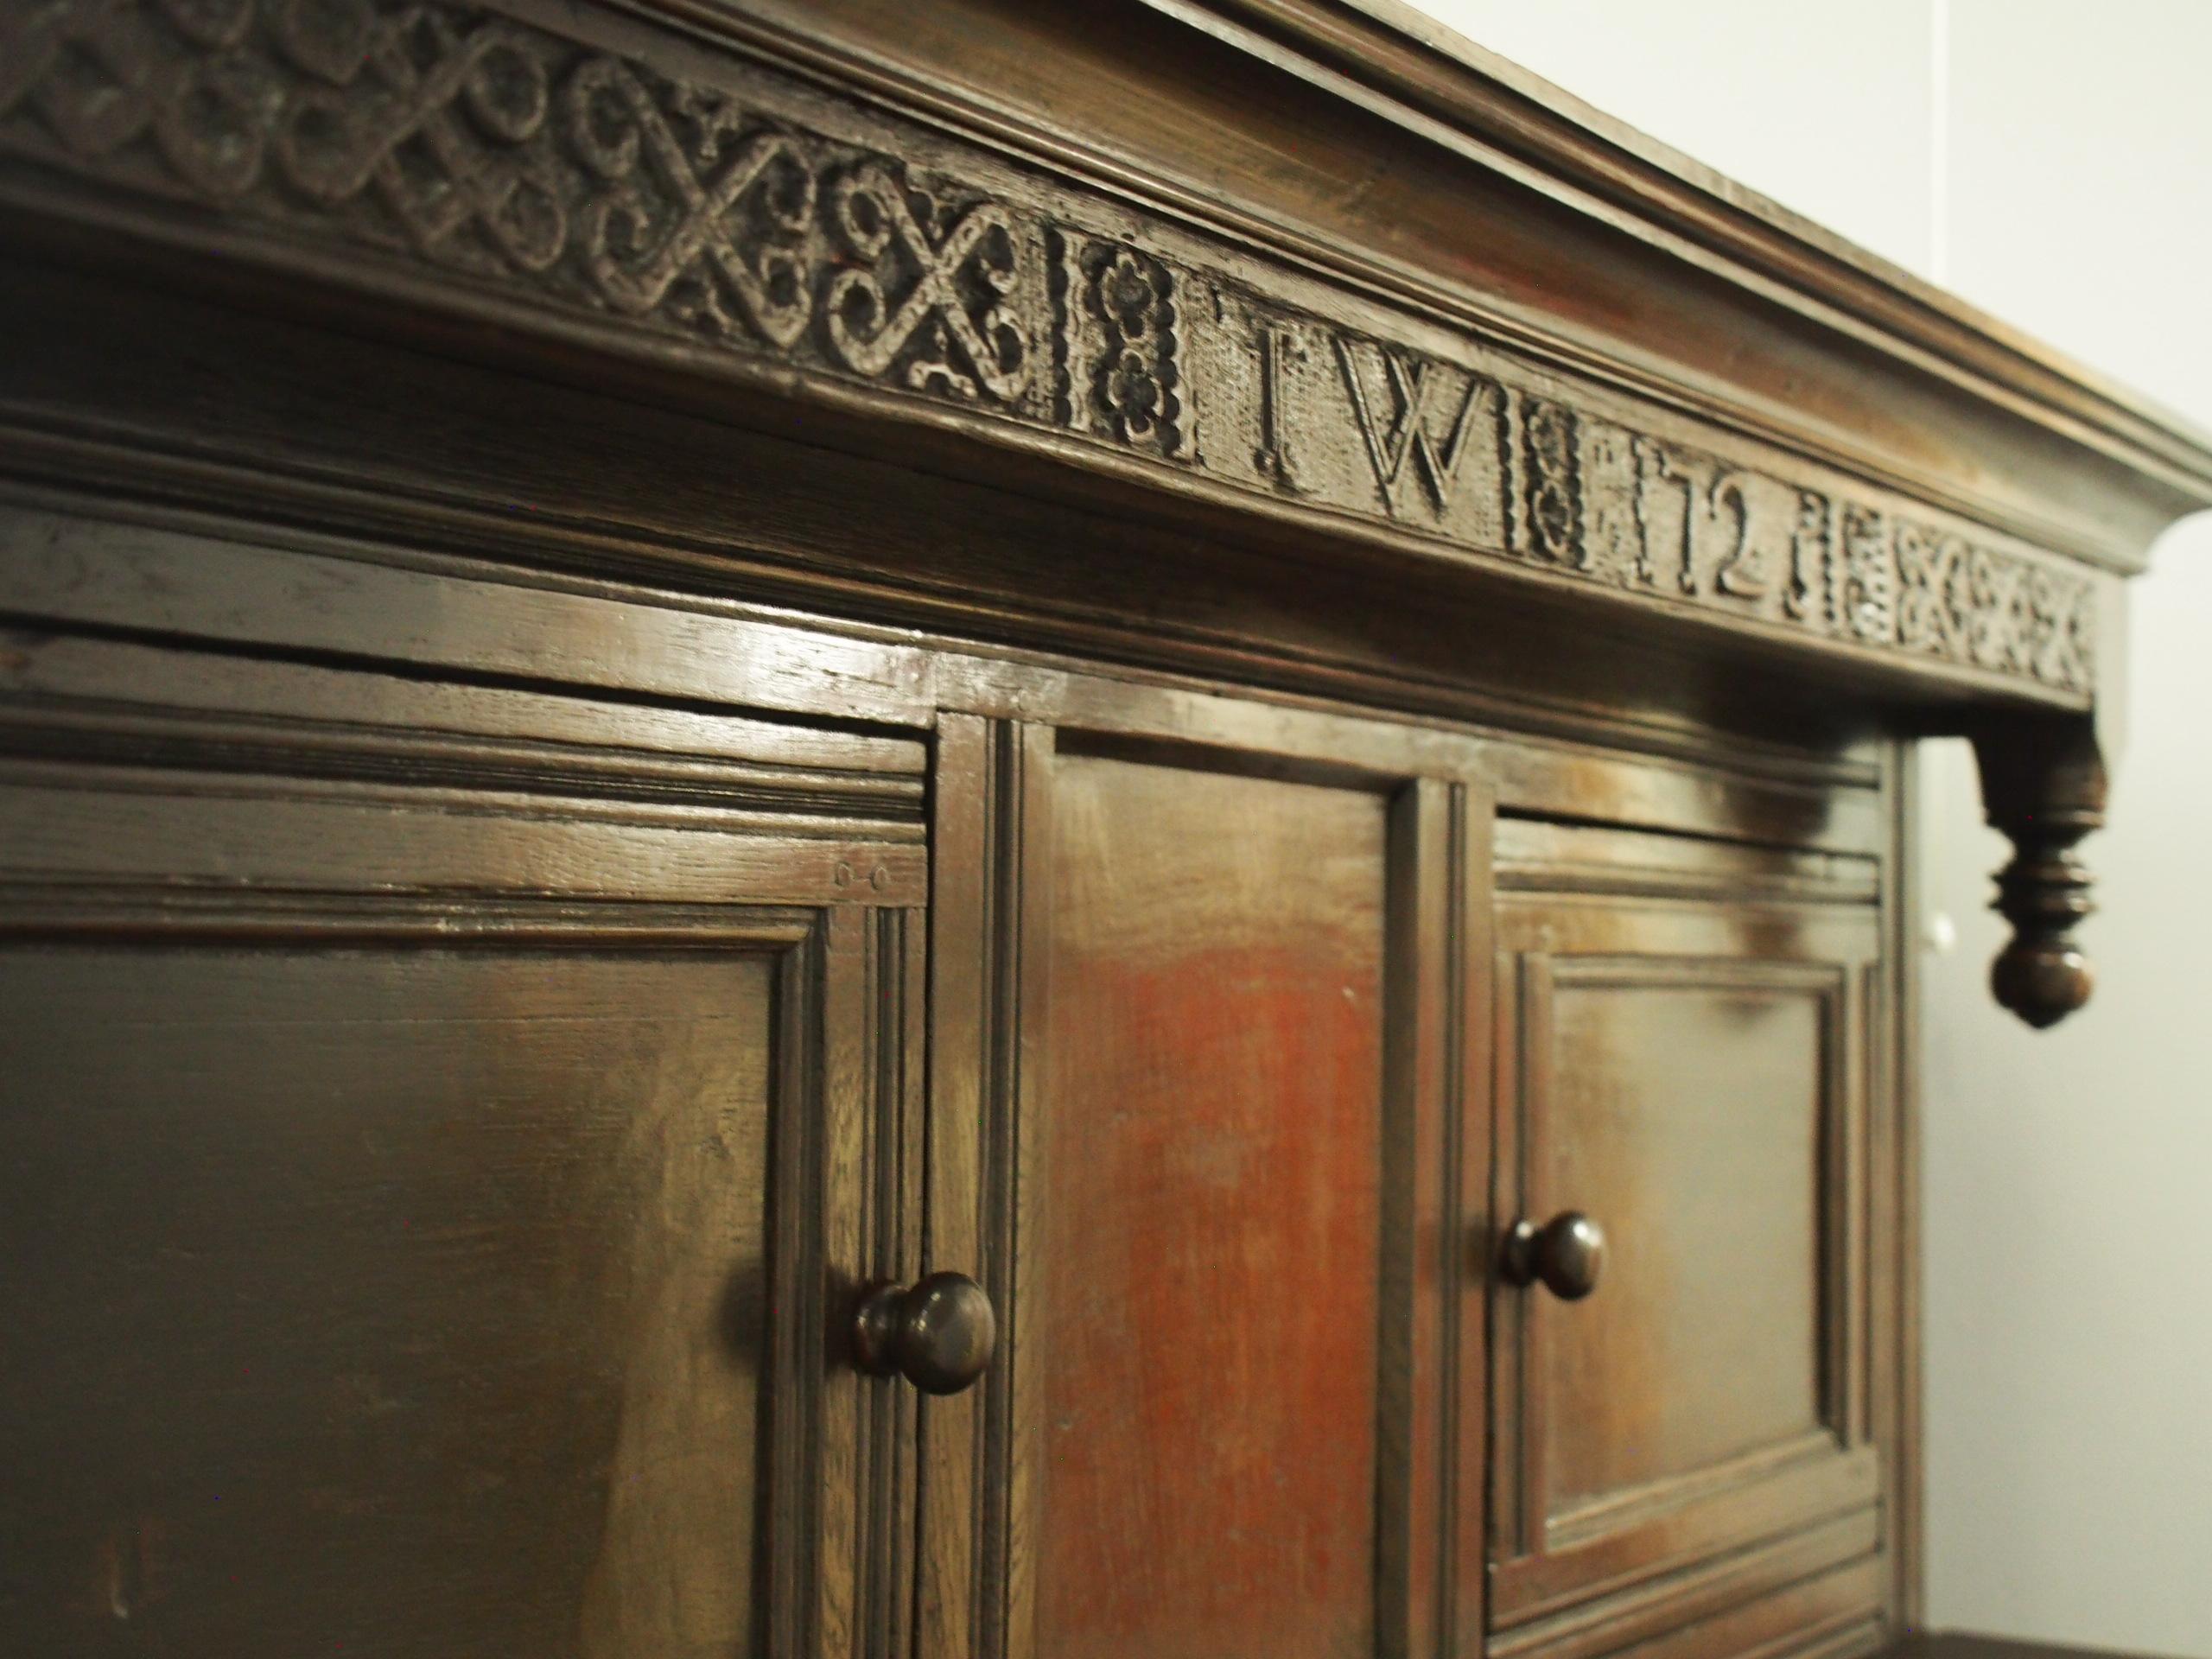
(1564, 1254)
(937, 1333)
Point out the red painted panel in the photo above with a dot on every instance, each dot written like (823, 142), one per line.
(1209, 1217)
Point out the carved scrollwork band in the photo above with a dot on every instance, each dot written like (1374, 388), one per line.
(514, 154)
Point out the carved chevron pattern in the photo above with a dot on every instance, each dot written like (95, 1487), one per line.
(516, 157)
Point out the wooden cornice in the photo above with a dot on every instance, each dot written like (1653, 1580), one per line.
(1402, 58)
(1276, 270)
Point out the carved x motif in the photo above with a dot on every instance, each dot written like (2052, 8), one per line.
(204, 126)
(335, 143)
(709, 224)
(868, 332)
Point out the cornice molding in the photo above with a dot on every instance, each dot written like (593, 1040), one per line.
(1431, 74)
(643, 187)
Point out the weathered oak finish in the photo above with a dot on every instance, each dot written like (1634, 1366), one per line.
(2045, 784)
(1240, 992)
(1185, 671)
(423, 1248)
(1698, 1076)
(1207, 1191)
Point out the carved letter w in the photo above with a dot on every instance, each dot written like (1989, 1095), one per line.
(1407, 431)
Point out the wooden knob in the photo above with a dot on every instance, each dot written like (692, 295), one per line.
(1564, 1254)
(937, 1333)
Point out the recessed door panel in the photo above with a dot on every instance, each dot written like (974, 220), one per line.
(1693, 1077)
(387, 1297)
(1230, 1014)
(1687, 1115)
(1209, 1172)
(433, 1199)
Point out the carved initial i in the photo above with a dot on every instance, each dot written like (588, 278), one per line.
(1407, 431)
(1272, 457)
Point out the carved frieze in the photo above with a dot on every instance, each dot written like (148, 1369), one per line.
(490, 148)
(524, 158)
(1116, 343)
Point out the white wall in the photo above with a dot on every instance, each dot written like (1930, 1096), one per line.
(2052, 162)
(1829, 117)
(2069, 1177)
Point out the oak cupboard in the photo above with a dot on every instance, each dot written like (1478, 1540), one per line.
(1019, 830)
(395, 1275)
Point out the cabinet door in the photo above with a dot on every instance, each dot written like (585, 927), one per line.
(441, 1127)
(1221, 1087)
(1693, 1075)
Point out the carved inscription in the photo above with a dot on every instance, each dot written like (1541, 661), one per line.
(1395, 423)
(1278, 347)
(1671, 502)
(1741, 573)
(559, 176)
